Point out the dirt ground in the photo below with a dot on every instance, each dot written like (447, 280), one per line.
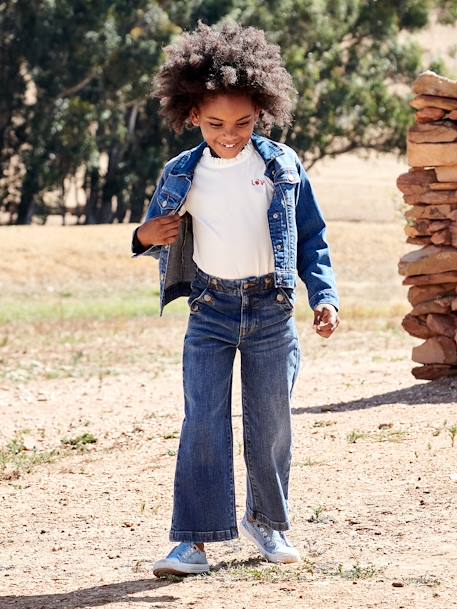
(91, 408)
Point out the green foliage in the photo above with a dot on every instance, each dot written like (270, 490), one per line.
(75, 81)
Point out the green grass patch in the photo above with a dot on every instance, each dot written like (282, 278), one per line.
(15, 459)
(85, 306)
(79, 441)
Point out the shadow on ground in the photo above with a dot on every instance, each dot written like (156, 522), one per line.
(99, 596)
(93, 597)
(443, 391)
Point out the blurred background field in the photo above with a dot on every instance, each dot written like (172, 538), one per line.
(57, 273)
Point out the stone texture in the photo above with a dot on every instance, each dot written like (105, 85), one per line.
(443, 186)
(431, 83)
(433, 101)
(441, 237)
(416, 326)
(422, 241)
(444, 131)
(436, 350)
(427, 115)
(447, 174)
(418, 294)
(432, 212)
(437, 305)
(440, 197)
(416, 182)
(430, 259)
(431, 155)
(432, 372)
(444, 325)
(453, 233)
(431, 278)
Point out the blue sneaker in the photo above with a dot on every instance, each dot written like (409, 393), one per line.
(184, 559)
(273, 545)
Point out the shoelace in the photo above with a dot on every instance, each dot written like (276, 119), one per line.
(268, 536)
(189, 551)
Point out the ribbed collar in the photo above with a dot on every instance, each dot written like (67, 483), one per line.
(214, 162)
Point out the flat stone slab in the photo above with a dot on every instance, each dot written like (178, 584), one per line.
(431, 83)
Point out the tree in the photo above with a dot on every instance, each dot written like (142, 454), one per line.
(75, 79)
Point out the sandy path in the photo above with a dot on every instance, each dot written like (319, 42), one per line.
(84, 530)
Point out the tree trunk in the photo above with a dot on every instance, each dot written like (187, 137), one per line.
(137, 202)
(90, 210)
(29, 191)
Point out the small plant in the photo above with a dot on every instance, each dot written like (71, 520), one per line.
(453, 433)
(171, 436)
(316, 515)
(79, 441)
(354, 436)
(323, 423)
(308, 462)
(424, 580)
(16, 459)
(358, 572)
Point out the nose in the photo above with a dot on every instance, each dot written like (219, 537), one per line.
(230, 134)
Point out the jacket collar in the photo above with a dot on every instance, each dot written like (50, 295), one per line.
(185, 166)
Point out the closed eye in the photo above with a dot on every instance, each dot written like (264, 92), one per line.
(239, 125)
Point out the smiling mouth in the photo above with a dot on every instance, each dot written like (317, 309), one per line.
(228, 146)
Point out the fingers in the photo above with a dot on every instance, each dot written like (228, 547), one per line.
(172, 219)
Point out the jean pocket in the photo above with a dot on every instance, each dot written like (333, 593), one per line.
(285, 297)
(198, 296)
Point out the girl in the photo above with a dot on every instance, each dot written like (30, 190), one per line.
(233, 221)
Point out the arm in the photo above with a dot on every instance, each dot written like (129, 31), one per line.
(314, 263)
(157, 230)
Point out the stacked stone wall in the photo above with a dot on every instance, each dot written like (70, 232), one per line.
(430, 189)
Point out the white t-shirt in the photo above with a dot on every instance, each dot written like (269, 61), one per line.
(228, 202)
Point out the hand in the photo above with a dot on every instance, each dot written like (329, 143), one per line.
(325, 320)
(159, 231)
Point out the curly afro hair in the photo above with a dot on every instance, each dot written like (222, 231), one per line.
(229, 59)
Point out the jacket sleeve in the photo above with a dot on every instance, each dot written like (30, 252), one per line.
(314, 262)
(152, 212)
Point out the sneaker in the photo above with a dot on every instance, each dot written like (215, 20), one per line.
(273, 545)
(184, 559)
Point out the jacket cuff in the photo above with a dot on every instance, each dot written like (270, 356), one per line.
(324, 297)
(138, 248)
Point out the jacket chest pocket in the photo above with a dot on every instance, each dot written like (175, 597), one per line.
(168, 203)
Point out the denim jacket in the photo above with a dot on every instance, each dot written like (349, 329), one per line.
(297, 227)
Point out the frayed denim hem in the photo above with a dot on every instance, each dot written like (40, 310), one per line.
(203, 536)
(259, 517)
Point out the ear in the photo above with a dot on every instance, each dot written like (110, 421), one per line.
(195, 117)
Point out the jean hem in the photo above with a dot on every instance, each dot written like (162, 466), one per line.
(259, 517)
(204, 536)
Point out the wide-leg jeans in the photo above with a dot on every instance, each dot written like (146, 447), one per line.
(256, 317)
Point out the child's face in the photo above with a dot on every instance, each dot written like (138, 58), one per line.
(226, 122)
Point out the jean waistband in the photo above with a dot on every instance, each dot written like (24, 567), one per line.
(261, 282)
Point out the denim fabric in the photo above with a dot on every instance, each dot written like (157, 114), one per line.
(256, 317)
(297, 227)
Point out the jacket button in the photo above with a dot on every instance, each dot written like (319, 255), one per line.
(162, 276)
(280, 298)
(275, 216)
(207, 298)
(279, 247)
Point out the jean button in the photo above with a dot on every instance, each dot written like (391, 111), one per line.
(275, 216)
(280, 298)
(207, 298)
(279, 247)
